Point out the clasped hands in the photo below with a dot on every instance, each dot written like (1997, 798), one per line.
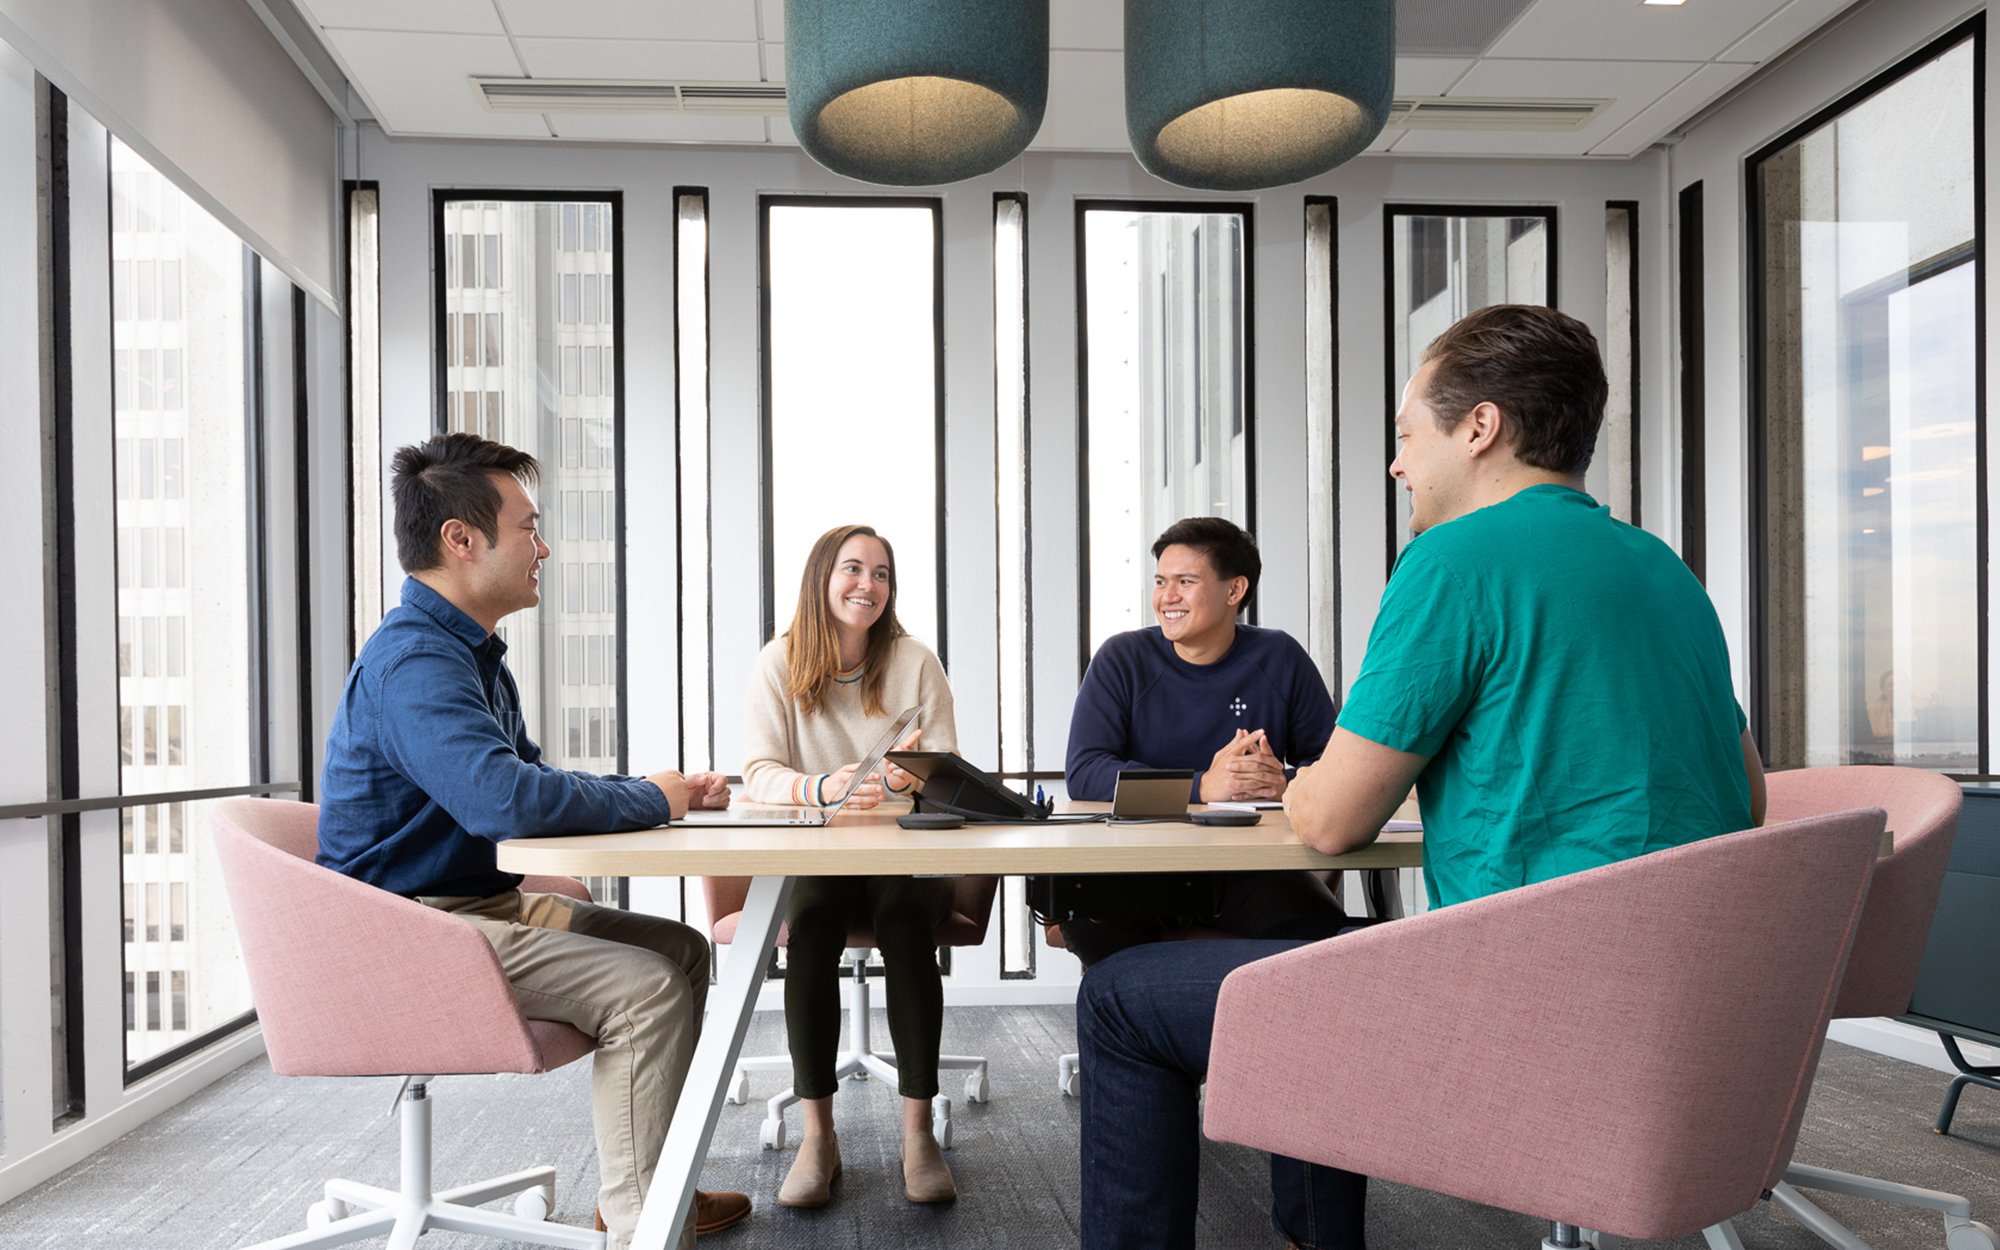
(1245, 769)
(703, 791)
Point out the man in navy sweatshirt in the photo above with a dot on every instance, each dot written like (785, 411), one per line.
(1241, 706)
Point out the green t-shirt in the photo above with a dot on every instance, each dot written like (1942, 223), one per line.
(1569, 680)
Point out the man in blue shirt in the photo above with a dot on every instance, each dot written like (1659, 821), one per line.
(1238, 705)
(428, 766)
(1553, 681)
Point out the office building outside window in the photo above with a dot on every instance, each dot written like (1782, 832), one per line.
(528, 337)
(186, 608)
(1866, 439)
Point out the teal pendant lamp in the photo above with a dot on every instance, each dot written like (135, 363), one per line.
(916, 92)
(1236, 95)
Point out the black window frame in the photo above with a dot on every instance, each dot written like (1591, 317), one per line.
(441, 419)
(1973, 29)
(1246, 210)
(765, 455)
(1393, 385)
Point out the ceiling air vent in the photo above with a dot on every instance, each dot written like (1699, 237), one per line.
(1429, 112)
(607, 95)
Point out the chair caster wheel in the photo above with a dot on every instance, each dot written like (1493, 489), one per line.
(535, 1203)
(772, 1135)
(1067, 1074)
(324, 1212)
(976, 1087)
(941, 1121)
(739, 1089)
(1971, 1235)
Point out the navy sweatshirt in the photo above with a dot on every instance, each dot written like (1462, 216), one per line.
(1142, 706)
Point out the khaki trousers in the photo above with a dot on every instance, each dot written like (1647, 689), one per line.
(634, 982)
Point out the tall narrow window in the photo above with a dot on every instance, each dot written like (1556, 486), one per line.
(697, 675)
(1618, 443)
(1694, 383)
(1867, 438)
(192, 622)
(1322, 441)
(364, 364)
(1445, 262)
(1166, 389)
(853, 404)
(1013, 582)
(520, 334)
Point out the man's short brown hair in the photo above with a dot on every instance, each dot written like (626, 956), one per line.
(449, 478)
(1540, 367)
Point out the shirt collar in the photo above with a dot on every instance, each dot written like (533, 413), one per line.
(422, 598)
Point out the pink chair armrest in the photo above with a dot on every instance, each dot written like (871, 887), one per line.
(1483, 1050)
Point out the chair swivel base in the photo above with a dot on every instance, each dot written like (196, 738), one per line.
(407, 1213)
(858, 1064)
(1961, 1231)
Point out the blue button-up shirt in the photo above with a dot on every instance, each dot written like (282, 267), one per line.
(428, 764)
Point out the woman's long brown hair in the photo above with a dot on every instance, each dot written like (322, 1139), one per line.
(812, 645)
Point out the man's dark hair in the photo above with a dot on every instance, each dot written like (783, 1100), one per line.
(450, 477)
(1539, 366)
(1228, 550)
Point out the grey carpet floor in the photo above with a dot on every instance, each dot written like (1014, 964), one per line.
(238, 1163)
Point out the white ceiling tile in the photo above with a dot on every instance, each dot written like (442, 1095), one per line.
(631, 19)
(1671, 109)
(1087, 24)
(657, 128)
(471, 17)
(639, 58)
(774, 19)
(1631, 86)
(1786, 27)
(1086, 107)
(780, 130)
(774, 61)
(1428, 75)
(1630, 30)
(417, 84)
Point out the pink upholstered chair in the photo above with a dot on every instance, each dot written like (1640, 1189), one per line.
(1627, 1049)
(971, 910)
(1922, 810)
(350, 980)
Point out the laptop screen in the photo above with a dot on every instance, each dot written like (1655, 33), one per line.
(872, 763)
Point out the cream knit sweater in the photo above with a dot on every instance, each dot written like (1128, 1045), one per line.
(788, 753)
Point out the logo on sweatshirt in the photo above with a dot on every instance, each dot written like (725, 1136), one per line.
(1238, 706)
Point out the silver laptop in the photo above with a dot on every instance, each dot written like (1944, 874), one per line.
(870, 763)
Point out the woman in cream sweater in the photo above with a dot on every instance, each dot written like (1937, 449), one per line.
(824, 692)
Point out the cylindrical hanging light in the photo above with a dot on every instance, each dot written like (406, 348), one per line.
(1234, 95)
(913, 92)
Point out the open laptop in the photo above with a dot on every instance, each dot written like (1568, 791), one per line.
(1151, 794)
(816, 816)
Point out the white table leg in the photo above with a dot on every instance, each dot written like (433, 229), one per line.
(729, 1006)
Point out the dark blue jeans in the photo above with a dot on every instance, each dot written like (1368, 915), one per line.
(1144, 1017)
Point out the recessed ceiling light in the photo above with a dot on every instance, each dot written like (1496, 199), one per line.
(1675, 3)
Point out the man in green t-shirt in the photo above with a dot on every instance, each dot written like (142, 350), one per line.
(1553, 682)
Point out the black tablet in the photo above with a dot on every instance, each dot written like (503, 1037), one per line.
(953, 785)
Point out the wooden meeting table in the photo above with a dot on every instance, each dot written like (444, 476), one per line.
(754, 841)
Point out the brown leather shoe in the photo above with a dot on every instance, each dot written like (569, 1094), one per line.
(716, 1211)
(713, 1212)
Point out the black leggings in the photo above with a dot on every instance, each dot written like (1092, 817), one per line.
(904, 912)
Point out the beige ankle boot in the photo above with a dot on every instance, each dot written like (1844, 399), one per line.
(926, 1176)
(809, 1183)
